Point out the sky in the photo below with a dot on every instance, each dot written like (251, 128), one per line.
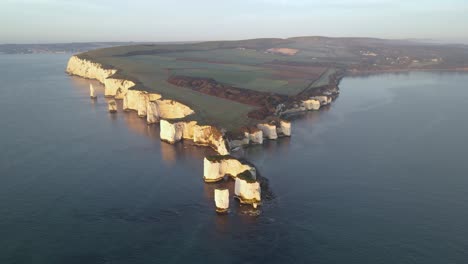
(49, 21)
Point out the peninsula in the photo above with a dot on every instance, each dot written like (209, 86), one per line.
(230, 94)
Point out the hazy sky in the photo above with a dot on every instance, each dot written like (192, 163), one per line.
(43, 21)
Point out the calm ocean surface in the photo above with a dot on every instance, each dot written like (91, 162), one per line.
(379, 177)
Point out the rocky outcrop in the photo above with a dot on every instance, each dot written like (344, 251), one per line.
(221, 197)
(200, 135)
(246, 136)
(247, 189)
(311, 104)
(239, 140)
(88, 69)
(189, 129)
(152, 112)
(269, 130)
(216, 167)
(210, 136)
(284, 128)
(117, 88)
(112, 106)
(323, 99)
(256, 136)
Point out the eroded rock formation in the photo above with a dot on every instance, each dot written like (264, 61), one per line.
(142, 104)
(240, 139)
(221, 197)
(171, 132)
(246, 136)
(269, 130)
(216, 167)
(210, 136)
(247, 189)
(256, 136)
(131, 99)
(116, 88)
(112, 106)
(92, 91)
(200, 135)
(152, 112)
(284, 128)
(170, 109)
(311, 104)
(323, 99)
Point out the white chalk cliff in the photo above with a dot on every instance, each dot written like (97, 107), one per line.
(171, 132)
(131, 98)
(200, 135)
(116, 88)
(170, 109)
(122, 89)
(152, 112)
(167, 109)
(88, 69)
(142, 104)
(210, 136)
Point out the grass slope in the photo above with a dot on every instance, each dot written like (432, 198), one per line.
(248, 64)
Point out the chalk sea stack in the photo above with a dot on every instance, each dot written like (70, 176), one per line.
(92, 92)
(221, 197)
(247, 189)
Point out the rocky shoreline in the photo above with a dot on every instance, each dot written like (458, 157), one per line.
(175, 123)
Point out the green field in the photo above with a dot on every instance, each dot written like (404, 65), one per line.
(152, 65)
(250, 65)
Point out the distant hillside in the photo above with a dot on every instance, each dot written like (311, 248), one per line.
(62, 47)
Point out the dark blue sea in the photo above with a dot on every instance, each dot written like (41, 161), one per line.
(381, 176)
